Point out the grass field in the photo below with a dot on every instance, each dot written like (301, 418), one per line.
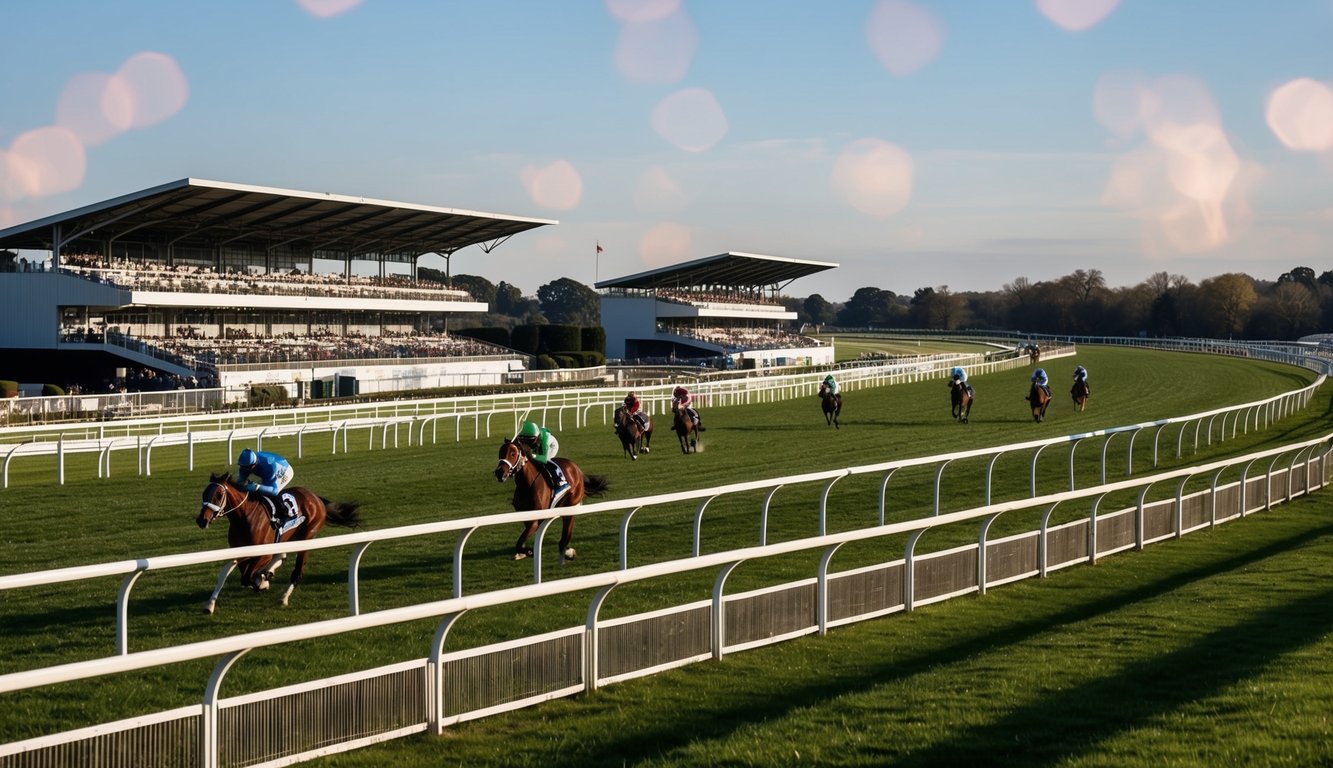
(852, 346)
(91, 520)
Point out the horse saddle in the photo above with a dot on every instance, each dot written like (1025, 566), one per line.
(289, 517)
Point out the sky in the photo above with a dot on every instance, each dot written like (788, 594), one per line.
(914, 142)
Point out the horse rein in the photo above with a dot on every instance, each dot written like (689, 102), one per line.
(513, 466)
(222, 511)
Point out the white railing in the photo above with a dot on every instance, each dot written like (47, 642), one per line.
(1260, 414)
(581, 658)
(481, 413)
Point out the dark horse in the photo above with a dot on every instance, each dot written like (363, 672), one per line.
(686, 430)
(1038, 398)
(1034, 354)
(831, 405)
(635, 438)
(961, 397)
(249, 523)
(532, 493)
(1080, 394)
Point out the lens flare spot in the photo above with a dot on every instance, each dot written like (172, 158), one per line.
(557, 186)
(690, 119)
(1300, 114)
(324, 9)
(904, 36)
(1195, 227)
(640, 11)
(657, 52)
(1076, 15)
(658, 192)
(156, 85)
(45, 161)
(1117, 101)
(874, 176)
(1176, 100)
(1200, 161)
(665, 243)
(95, 106)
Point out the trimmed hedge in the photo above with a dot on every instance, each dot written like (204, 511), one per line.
(9, 388)
(490, 335)
(594, 340)
(545, 362)
(52, 390)
(566, 338)
(526, 338)
(268, 394)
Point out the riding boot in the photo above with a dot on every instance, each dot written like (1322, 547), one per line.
(559, 486)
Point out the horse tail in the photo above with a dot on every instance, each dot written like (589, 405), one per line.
(595, 485)
(343, 513)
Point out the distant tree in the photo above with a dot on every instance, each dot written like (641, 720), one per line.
(1326, 278)
(919, 308)
(869, 306)
(508, 299)
(1303, 275)
(819, 310)
(567, 301)
(1229, 299)
(479, 288)
(1295, 307)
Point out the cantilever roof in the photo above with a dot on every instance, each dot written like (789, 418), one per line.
(212, 213)
(742, 270)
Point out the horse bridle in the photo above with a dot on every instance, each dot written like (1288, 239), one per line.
(222, 511)
(513, 466)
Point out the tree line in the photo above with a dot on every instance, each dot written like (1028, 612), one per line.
(1231, 305)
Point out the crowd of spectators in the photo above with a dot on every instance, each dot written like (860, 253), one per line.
(242, 347)
(704, 298)
(741, 339)
(195, 279)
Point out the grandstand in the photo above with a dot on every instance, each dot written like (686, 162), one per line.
(721, 308)
(206, 283)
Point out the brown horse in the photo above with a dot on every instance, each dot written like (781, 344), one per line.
(686, 429)
(249, 523)
(1034, 354)
(1080, 394)
(532, 493)
(1038, 398)
(961, 397)
(635, 438)
(831, 404)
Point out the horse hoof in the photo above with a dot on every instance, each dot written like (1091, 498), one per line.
(645, 449)
(520, 555)
(570, 554)
(261, 584)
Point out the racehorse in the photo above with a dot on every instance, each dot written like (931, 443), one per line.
(533, 493)
(249, 523)
(1038, 399)
(685, 429)
(1034, 354)
(961, 397)
(831, 405)
(1080, 393)
(634, 438)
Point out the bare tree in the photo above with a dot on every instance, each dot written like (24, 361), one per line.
(1230, 299)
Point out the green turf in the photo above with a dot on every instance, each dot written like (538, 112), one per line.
(91, 520)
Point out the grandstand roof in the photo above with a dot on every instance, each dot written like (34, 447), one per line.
(198, 211)
(732, 269)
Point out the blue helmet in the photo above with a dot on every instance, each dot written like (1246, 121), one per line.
(247, 458)
(1040, 373)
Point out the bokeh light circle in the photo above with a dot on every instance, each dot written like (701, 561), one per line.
(1076, 15)
(45, 161)
(874, 176)
(324, 9)
(1300, 114)
(156, 85)
(904, 36)
(691, 119)
(557, 186)
(95, 106)
(665, 243)
(657, 52)
(642, 11)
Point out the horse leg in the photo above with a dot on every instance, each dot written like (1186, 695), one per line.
(298, 571)
(226, 570)
(566, 535)
(520, 550)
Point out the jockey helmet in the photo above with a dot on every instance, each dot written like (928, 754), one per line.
(1040, 373)
(247, 458)
(828, 377)
(530, 429)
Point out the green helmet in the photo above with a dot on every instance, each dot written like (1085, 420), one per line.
(828, 377)
(530, 429)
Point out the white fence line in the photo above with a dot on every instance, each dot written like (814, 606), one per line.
(592, 644)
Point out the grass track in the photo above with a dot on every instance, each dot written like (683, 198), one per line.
(130, 517)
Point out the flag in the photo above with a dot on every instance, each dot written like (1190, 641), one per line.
(599, 247)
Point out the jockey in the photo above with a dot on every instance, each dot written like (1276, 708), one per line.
(543, 446)
(274, 473)
(1039, 378)
(830, 384)
(959, 375)
(680, 398)
(632, 408)
(1081, 375)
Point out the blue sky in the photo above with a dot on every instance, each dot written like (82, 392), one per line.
(917, 143)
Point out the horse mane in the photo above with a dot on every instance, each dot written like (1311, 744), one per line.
(225, 478)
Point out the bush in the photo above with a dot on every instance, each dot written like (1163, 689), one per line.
(9, 388)
(593, 357)
(491, 335)
(594, 340)
(567, 360)
(267, 394)
(546, 362)
(561, 337)
(526, 338)
(52, 390)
